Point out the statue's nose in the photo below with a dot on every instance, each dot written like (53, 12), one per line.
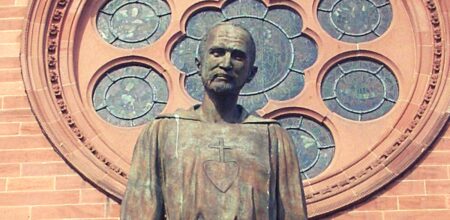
(226, 61)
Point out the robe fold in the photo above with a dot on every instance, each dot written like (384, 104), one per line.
(186, 169)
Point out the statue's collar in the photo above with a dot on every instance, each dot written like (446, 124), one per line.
(193, 114)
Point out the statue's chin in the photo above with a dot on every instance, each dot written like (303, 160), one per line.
(223, 89)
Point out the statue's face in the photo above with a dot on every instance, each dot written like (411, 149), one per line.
(225, 66)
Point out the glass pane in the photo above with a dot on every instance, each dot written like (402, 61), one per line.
(289, 88)
(305, 52)
(238, 8)
(313, 142)
(128, 93)
(253, 103)
(355, 20)
(359, 87)
(194, 86)
(201, 22)
(183, 55)
(132, 24)
(289, 21)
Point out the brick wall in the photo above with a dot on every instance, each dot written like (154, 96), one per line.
(35, 183)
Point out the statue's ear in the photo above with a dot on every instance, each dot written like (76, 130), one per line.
(252, 73)
(198, 63)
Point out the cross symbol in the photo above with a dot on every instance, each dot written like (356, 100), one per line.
(221, 147)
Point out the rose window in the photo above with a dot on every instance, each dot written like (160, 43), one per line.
(360, 85)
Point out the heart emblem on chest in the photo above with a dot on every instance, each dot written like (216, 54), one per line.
(221, 174)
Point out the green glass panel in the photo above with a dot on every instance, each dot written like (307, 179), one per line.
(126, 95)
(133, 23)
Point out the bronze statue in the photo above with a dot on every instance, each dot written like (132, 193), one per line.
(216, 161)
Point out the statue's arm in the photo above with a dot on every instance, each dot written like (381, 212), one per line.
(290, 197)
(143, 199)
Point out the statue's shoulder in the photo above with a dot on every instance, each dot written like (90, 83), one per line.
(184, 114)
(256, 119)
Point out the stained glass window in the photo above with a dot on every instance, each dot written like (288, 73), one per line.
(360, 89)
(283, 51)
(133, 24)
(130, 95)
(313, 142)
(355, 20)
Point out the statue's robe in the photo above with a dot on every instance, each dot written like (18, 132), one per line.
(184, 168)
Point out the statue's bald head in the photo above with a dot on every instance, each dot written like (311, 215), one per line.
(250, 43)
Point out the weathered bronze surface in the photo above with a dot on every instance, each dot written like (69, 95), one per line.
(216, 161)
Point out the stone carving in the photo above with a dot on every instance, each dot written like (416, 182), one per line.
(216, 161)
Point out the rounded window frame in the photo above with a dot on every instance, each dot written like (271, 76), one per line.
(64, 115)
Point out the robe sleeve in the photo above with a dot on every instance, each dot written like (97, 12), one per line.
(289, 189)
(143, 196)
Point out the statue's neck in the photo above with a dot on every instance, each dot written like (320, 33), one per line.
(220, 108)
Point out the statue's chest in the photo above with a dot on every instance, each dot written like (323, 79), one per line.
(221, 152)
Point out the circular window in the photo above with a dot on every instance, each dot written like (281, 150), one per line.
(133, 24)
(130, 95)
(355, 20)
(360, 89)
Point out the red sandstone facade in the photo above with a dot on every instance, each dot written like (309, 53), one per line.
(36, 183)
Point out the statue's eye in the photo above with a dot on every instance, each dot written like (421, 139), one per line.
(239, 55)
(217, 52)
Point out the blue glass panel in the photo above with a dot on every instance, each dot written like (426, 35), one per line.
(326, 156)
(125, 96)
(133, 24)
(289, 88)
(314, 144)
(355, 20)
(390, 82)
(201, 22)
(238, 8)
(194, 86)
(359, 89)
(305, 52)
(183, 55)
(306, 148)
(253, 103)
(290, 21)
